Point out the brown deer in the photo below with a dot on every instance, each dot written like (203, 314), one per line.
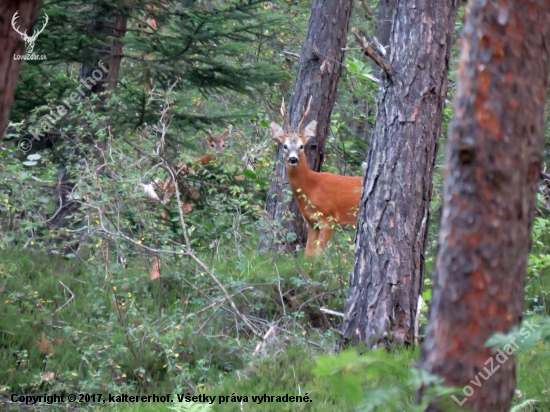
(217, 146)
(324, 199)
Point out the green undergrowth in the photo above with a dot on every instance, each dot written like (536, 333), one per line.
(533, 379)
(67, 325)
(87, 327)
(287, 371)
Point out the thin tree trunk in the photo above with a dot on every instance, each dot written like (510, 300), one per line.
(11, 43)
(493, 162)
(113, 25)
(393, 218)
(318, 74)
(384, 20)
(97, 75)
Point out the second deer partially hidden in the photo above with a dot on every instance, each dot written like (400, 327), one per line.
(216, 145)
(324, 199)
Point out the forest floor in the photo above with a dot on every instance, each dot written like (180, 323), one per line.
(91, 328)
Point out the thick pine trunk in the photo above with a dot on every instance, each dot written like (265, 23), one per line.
(318, 74)
(493, 162)
(11, 43)
(393, 218)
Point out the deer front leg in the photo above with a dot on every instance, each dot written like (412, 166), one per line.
(324, 236)
(312, 237)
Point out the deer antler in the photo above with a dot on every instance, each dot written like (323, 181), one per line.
(14, 18)
(304, 116)
(283, 113)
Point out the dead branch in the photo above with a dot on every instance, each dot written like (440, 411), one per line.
(379, 60)
(218, 302)
(332, 312)
(66, 303)
(293, 55)
(368, 10)
(264, 338)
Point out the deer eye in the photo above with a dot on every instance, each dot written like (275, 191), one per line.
(285, 146)
(301, 146)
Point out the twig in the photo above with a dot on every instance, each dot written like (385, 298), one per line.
(261, 342)
(280, 291)
(66, 303)
(371, 78)
(379, 60)
(367, 8)
(381, 49)
(218, 302)
(332, 312)
(291, 333)
(294, 55)
(224, 291)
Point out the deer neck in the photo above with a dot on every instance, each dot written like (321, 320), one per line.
(299, 176)
(206, 159)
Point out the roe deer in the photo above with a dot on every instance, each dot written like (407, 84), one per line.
(324, 199)
(217, 146)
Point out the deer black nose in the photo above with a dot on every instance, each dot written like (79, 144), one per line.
(293, 160)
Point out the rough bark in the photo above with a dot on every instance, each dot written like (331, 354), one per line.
(393, 217)
(493, 162)
(318, 74)
(11, 43)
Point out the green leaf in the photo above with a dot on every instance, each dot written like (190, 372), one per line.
(250, 174)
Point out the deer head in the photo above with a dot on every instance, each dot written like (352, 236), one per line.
(29, 40)
(293, 141)
(217, 143)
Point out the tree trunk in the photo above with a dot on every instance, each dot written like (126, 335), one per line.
(11, 43)
(493, 162)
(97, 75)
(110, 24)
(384, 19)
(393, 218)
(318, 74)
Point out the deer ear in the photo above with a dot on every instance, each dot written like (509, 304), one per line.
(277, 132)
(224, 135)
(310, 131)
(210, 139)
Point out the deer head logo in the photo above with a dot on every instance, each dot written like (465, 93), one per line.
(29, 40)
